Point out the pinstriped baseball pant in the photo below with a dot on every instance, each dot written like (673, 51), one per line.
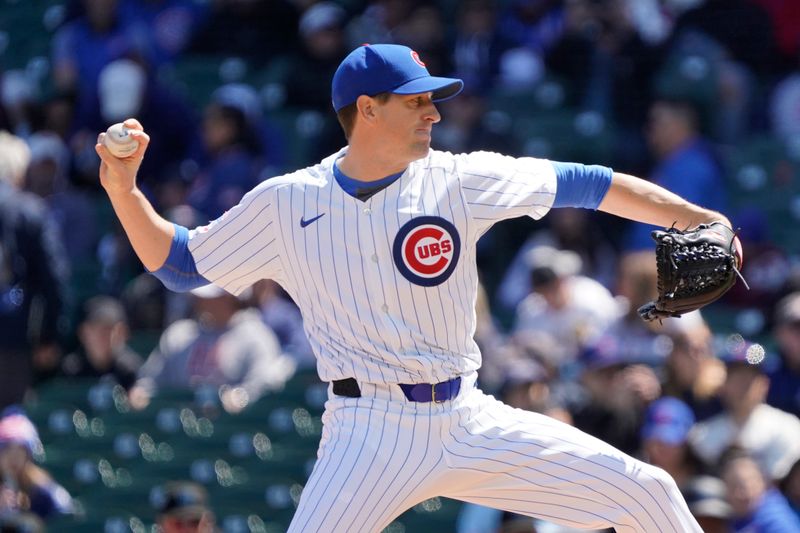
(381, 454)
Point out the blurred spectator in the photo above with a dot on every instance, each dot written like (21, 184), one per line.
(145, 303)
(103, 334)
(224, 345)
(742, 27)
(534, 24)
(733, 42)
(149, 306)
(691, 372)
(617, 390)
(234, 158)
(664, 439)
(530, 386)
(257, 31)
(127, 88)
(520, 70)
(496, 349)
(379, 22)
(706, 497)
(477, 44)
(283, 317)
(687, 165)
(19, 95)
(784, 379)
(25, 486)
(83, 46)
(790, 487)
(323, 47)
(32, 275)
(571, 308)
(784, 106)
(600, 54)
(767, 268)
(465, 129)
(163, 27)
(71, 208)
(570, 229)
(424, 31)
(786, 27)
(772, 436)
(756, 506)
(636, 340)
(23, 522)
(183, 507)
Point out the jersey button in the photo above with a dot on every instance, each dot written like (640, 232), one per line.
(367, 210)
(385, 308)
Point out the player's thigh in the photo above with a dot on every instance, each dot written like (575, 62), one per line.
(532, 464)
(372, 465)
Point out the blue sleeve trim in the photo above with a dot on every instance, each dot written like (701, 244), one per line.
(179, 272)
(581, 185)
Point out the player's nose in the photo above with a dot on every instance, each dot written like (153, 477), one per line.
(431, 113)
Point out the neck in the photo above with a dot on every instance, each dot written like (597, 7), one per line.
(363, 162)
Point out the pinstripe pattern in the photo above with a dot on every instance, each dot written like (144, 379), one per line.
(380, 455)
(370, 317)
(364, 320)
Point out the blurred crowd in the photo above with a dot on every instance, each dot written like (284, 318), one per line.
(682, 83)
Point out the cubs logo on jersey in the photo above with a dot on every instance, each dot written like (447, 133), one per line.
(426, 250)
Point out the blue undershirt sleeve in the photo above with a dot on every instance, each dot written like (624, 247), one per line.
(581, 185)
(179, 272)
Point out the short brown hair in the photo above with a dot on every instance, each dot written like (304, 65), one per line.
(347, 114)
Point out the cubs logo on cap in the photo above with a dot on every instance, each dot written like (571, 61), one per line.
(378, 68)
(426, 250)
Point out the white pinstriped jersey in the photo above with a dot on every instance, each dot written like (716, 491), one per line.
(386, 286)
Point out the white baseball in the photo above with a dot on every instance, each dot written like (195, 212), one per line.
(119, 141)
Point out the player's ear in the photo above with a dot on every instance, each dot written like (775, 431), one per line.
(366, 107)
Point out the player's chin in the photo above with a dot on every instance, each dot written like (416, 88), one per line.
(421, 148)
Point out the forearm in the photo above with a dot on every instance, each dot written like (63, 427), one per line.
(149, 234)
(640, 200)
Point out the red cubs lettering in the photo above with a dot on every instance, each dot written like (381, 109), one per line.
(433, 249)
(413, 252)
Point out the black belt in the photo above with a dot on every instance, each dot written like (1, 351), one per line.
(420, 392)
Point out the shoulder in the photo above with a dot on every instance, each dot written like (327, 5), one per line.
(483, 163)
(308, 178)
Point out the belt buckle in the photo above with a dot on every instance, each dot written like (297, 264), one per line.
(433, 395)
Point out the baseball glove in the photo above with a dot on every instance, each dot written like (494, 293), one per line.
(695, 268)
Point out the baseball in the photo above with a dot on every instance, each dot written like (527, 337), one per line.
(119, 141)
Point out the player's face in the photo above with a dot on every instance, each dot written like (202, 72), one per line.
(406, 122)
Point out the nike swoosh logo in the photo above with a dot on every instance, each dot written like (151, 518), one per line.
(304, 223)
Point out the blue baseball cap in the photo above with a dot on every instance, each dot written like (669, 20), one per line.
(379, 68)
(668, 420)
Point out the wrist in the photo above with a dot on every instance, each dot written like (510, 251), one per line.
(117, 191)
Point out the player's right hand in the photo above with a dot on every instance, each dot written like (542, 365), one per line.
(119, 175)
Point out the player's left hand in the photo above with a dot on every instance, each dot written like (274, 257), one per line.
(695, 268)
